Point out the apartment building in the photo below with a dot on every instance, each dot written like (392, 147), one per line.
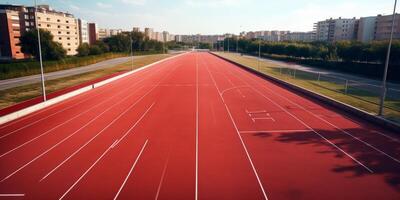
(14, 21)
(93, 33)
(384, 27)
(332, 30)
(83, 31)
(366, 29)
(299, 36)
(149, 33)
(63, 26)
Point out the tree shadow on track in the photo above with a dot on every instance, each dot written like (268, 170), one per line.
(379, 163)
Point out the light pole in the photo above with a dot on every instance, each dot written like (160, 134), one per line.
(259, 53)
(383, 94)
(131, 53)
(228, 44)
(40, 54)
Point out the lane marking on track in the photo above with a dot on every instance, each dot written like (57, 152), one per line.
(12, 195)
(302, 122)
(87, 171)
(197, 128)
(54, 146)
(332, 125)
(105, 128)
(80, 114)
(162, 177)
(63, 140)
(240, 137)
(130, 171)
(59, 111)
(276, 131)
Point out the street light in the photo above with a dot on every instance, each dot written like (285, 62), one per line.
(228, 44)
(40, 54)
(383, 94)
(131, 52)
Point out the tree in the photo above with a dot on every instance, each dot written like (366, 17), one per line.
(95, 50)
(50, 50)
(83, 49)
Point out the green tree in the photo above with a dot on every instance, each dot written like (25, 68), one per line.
(83, 49)
(50, 50)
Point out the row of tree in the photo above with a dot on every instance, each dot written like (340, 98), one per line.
(349, 51)
(52, 50)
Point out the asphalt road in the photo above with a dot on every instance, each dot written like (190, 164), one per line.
(15, 82)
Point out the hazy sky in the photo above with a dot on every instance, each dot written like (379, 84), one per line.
(214, 16)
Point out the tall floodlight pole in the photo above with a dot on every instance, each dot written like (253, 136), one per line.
(383, 94)
(40, 54)
(228, 44)
(131, 52)
(259, 53)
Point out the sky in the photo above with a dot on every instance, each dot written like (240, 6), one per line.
(214, 16)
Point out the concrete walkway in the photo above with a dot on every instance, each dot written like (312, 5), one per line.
(15, 82)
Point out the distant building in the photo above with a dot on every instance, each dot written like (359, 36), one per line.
(149, 33)
(83, 31)
(104, 33)
(93, 33)
(366, 29)
(332, 30)
(384, 26)
(14, 21)
(63, 26)
(115, 32)
(136, 29)
(299, 36)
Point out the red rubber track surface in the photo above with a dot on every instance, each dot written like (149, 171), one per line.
(196, 127)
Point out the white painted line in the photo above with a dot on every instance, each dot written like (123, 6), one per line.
(240, 137)
(162, 179)
(332, 125)
(255, 112)
(263, 118)
(63, 140)
(100, 132)
(26, 111)
(130, 171)
(12, 195)
(302, 122)
(276, 131)
(197, 128)
(87, 171)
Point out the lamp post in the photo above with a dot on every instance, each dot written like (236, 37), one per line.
(383, 92)
(40, 54)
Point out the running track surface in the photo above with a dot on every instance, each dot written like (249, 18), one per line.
(196, 127)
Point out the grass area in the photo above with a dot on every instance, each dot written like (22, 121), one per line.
(12, 96)
(26, 68)
(363, 98)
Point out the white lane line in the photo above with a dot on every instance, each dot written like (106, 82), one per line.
(197, 128)
(59, 111)
(130, 171)
(12, 195)
(66, 138)
(87, 171)
(162, 178)
(80, 114)
(302, 122)
(240, 137)
(332, 125)
(104, 129)
(277, 131)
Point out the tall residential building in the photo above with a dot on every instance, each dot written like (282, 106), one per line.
(165, 36)
(104, 33)
(149, 33)
(384, 25)
(332, 30)
(366, 29)
(63, 26)
(83, 31)
(93, 33)
(14, 21)
(299, 36)
(136, 29)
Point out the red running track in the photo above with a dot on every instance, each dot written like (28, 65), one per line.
(196, 127)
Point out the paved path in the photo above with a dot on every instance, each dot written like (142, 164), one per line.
(15, 82)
